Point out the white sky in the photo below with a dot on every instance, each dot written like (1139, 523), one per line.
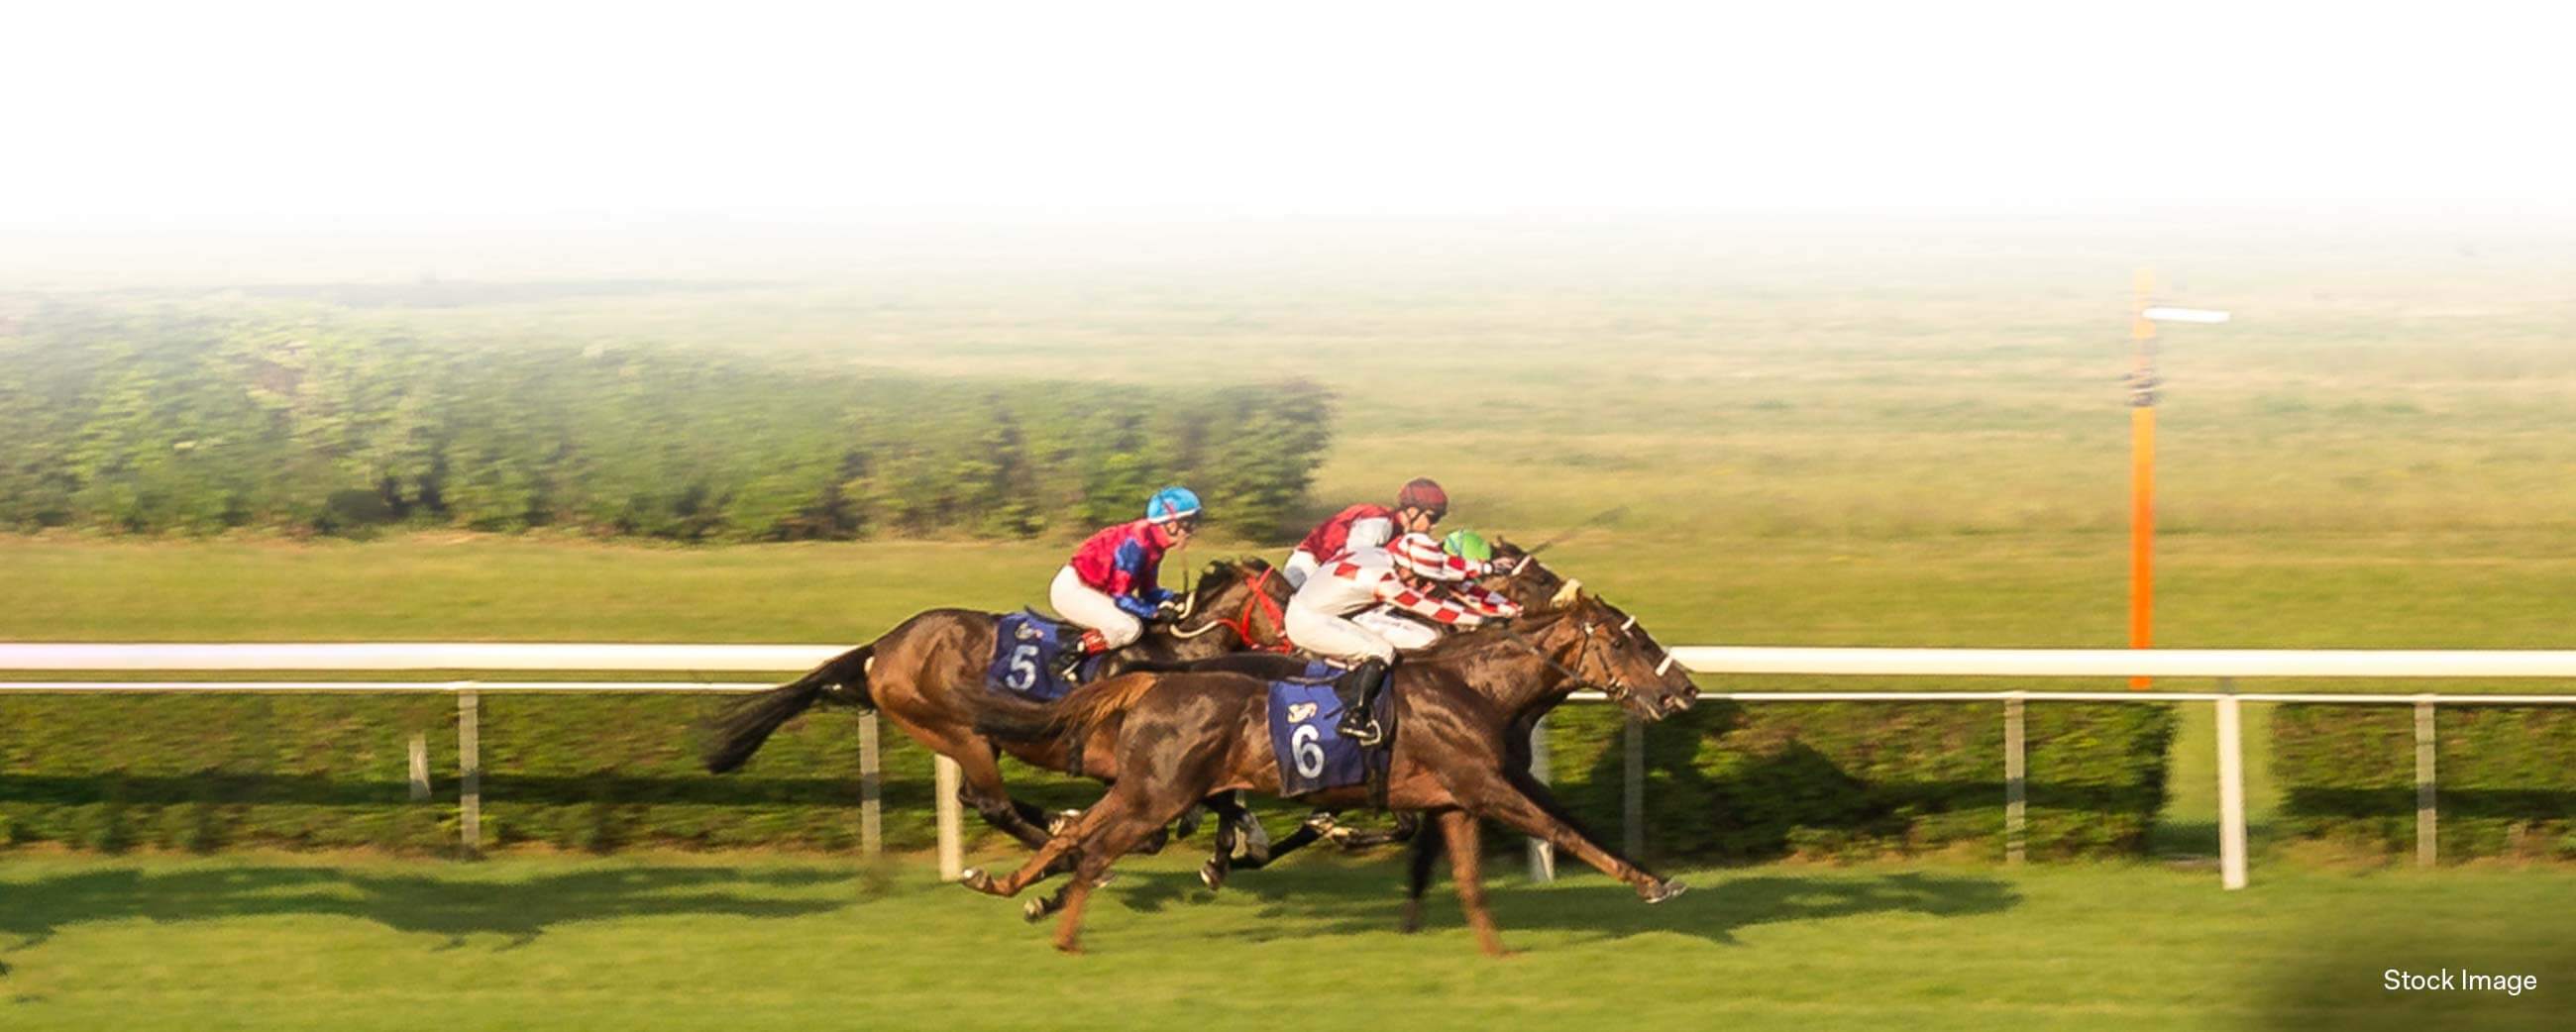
(1210, 108)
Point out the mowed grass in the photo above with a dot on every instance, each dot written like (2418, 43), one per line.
(686, 942)
(2422, 590)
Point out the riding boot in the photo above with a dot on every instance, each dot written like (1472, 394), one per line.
(1359, 723)
(1068, 666)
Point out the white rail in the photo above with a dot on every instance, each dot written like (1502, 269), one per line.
(2224, 665)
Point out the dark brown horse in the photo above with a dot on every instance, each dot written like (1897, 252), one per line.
(1168, 740)
(927, 677)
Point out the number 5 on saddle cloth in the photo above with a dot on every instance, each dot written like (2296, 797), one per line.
(1025, 649)
(1305, 714)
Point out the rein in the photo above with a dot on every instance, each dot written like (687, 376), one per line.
(1242, 621)
(1614, 688)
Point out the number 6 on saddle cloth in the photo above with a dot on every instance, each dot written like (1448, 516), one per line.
(1305, 715)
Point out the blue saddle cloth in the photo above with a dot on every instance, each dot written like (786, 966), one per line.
(1026, 647)
(1305, 719)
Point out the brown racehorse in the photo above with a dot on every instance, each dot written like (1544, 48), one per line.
(927, 677)
(1168, 740)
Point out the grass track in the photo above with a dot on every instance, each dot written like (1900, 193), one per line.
(674, 942)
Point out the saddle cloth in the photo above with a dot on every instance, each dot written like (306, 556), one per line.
(1305, 719)
(1026, 647)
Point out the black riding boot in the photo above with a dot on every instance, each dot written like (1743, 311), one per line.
(1359, 723)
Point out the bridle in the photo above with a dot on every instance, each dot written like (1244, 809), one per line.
(1242, 621)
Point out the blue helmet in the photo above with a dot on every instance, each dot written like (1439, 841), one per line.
(1172, 503)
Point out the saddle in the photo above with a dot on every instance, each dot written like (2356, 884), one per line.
(1027, 650)
(1305, 714)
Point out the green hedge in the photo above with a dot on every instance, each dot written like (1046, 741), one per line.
(1735, 782)
(574, 772)
(604, 772)
(195, 419)
(2506, 777)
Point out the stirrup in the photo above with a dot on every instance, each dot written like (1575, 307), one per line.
(1366, 733)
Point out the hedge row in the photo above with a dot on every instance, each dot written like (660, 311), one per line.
(602, 772)
(1733, 782)
(2505, 777)
(193, 420)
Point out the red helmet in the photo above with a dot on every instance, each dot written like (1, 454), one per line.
(1425, 494)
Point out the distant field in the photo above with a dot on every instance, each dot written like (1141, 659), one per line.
(1897, 433)
(683, 942)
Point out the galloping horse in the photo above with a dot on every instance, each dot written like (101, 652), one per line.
(927, 677)
(1166, 740)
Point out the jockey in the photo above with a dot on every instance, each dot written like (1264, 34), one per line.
(1109, 588)
(1418, 507)
(1347, 611)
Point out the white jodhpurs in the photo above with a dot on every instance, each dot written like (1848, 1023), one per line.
(1336, 638)
(1088, 606)
(1407, 635)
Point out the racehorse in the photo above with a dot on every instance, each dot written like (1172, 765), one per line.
(927, 677)
(1166, 740)
(1530, 585)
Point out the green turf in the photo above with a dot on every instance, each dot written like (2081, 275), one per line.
(677, 942)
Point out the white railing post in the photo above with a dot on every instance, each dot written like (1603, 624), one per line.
(1542, 854)
(2427, 838)
(2231, 789)
(469, 762)
(952, 836)
(1632, 801)
(871, 790)
(2014, 780)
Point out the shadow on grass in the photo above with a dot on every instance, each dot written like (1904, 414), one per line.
(1350, 901)
(522, 909)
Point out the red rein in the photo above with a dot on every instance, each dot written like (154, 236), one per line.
(1242, 623)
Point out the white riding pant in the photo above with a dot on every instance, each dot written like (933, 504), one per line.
(1372, 634)
(1301, 565)
(1090, 607)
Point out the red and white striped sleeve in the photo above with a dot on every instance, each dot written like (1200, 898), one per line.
(1427, 558)
(1487, 603)
(1437, 610)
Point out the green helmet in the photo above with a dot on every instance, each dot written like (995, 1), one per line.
(1467, 544)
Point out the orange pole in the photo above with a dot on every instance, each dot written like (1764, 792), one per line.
(2142, 477)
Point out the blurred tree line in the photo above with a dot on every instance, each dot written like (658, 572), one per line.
(190, 421)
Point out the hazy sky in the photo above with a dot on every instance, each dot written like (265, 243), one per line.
(1207, 108)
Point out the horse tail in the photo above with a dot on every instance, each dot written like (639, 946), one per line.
(1089, 706)
(744, 724)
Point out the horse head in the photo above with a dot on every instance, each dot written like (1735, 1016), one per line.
(1610, 651)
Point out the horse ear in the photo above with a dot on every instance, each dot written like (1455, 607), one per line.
(1566, 595)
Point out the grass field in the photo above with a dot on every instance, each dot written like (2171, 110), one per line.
(1906, 433)
(676, 942)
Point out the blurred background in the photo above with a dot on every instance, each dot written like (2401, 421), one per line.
(577, 323)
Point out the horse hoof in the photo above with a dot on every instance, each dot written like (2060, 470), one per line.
(1664, 890)
(1063, 819)
(1211, 877)
(975, 878)
(1035, 910)
(1103, 881)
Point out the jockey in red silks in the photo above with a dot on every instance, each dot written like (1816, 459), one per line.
(1110, 586)
(1418, 508)
(1347, 611)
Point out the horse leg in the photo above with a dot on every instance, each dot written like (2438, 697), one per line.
(1487, 793)
(1112, 838)
(1055, 857)
(982, 788)
(1466, 867)
(1426, 844)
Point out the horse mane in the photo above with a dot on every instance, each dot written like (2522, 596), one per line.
(1477, 638)
(1221, 574)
